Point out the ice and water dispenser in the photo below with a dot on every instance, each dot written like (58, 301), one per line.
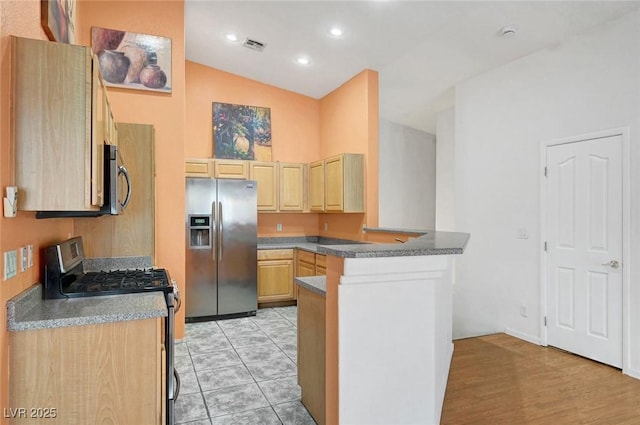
(199, 231)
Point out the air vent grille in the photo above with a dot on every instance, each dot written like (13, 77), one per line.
(254, 45)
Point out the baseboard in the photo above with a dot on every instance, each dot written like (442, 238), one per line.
(526, 337)
(634, 373)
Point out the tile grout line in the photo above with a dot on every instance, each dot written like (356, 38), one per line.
(261, 329)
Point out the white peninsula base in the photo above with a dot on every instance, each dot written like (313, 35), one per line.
(395, 343)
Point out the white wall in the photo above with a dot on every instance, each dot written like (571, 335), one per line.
(589, 83)
(407, 175)
(445, 175)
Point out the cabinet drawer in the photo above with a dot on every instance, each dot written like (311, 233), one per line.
(306, 257)
(275, 254)
(321, 260)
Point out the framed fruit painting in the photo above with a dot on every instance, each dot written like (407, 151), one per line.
(132, 60)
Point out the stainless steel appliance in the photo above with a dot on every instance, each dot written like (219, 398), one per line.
(115, 199)
(65, 277)
(221, 248)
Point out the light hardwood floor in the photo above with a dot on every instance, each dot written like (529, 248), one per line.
(498, 379)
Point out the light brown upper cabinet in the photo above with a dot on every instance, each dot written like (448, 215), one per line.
(316, 186)
(266, 174)
(58, 126)
(291, 184)
(230, 169)
(337, 184)
(280, 185)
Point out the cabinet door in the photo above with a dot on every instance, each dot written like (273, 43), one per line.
(230, 169)
(321, 265)
(275, 280)
(265, 173)
(198, 167)
(88, 373)
(52, 121)
(99, 133)
(291, 184)
(316, 186)
(334, 184)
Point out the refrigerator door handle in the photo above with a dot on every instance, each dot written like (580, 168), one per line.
(221, 235)
(214, 226)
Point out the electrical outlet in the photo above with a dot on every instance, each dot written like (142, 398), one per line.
(278, 227)
(522, 233)
(23, 258)
(29, 256)
(10, 264)
(523, 310)
(326, 226)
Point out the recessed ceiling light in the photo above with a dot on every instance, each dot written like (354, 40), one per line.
(231, 37)
(303, 60)
(335, 32)
(508, 31)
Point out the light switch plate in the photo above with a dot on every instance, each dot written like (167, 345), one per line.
(10, 264)
(278, 227)
(29, 256)
(23, 258)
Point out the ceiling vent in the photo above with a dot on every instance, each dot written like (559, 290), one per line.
(254, 45)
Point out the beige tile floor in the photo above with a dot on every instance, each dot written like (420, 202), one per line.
(241, 372)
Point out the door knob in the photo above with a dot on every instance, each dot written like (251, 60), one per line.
(613, 264)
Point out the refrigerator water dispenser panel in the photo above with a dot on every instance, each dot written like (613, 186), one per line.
(200, 231)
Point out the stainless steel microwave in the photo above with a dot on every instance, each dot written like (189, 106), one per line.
(115, 202)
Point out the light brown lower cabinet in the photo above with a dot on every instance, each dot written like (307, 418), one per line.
(311, 352)
(93, 374)
(275, 275)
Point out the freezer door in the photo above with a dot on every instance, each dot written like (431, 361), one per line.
(201, 287)
(237, 246)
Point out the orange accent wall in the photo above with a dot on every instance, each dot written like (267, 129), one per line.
(20, 18)
(166, 112)
(349, 123)
(294, 118)
(293, 224)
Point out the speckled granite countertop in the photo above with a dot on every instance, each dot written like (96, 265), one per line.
(317, 284)
(28, 311)
(432, 243)
(308, 243)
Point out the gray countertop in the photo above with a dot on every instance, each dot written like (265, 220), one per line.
(430, 243)
(317, 284)
(28, 311)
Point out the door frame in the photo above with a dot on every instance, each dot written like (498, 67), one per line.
(623, 132)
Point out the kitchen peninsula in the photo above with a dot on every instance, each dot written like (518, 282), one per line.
(383, 318)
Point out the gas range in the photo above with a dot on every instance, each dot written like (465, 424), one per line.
(65, 276)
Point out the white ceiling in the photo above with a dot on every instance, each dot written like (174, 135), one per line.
(421, 49)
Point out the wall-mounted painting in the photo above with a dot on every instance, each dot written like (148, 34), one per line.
(58, 19)
(131, 60)
(241, 132)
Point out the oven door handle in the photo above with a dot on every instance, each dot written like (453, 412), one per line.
(176, 391)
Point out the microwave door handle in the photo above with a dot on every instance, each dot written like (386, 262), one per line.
(122, 170)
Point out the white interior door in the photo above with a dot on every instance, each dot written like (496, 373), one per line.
(584, 248)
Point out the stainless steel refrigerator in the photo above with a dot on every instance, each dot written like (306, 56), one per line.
(221, 251)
